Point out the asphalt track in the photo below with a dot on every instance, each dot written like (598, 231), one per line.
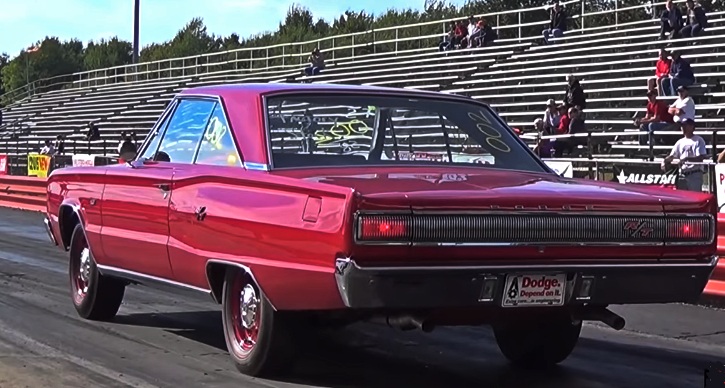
(174, 339)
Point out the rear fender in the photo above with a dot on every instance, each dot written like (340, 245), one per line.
(215, 272)
(69, 214)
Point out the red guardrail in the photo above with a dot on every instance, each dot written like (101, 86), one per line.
(29, 193)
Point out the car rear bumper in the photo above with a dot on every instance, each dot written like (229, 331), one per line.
(437, 287)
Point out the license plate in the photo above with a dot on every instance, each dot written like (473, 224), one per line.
(534, 290)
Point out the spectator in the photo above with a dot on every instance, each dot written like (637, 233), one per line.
(543, 147)
(662, 70)
(48, 149)
(461, 35)
(680, 75)
(561, 144)
(551, 117)
(126, 148)
(658, 118)
(690, 149)
(576, 122)
(317, 63)
(474, 32)
(93, 134)
(60, 145)
(557, 26)
(449, 41)
(488, 35)
(670, 21)
(696, 21)
(683, 107)
(574, 96)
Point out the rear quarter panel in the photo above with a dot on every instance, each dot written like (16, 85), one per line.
(258, 220)
(77, 189)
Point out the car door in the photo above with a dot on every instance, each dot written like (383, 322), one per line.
(137, 196)
(194, 188)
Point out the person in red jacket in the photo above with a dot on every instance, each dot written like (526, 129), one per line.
(662, 70)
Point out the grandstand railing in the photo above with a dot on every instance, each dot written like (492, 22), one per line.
(510, 25)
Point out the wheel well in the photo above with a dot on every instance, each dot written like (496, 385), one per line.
(215, 273)
(67, 220)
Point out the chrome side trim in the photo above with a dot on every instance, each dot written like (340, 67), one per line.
(48, 230)
(343, 264)
(108, 270)
(243, 267)
(256, 166)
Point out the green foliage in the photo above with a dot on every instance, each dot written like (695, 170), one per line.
(56, 58)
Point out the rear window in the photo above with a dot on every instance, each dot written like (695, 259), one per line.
(329, 130)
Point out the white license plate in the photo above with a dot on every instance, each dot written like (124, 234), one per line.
(534, 290)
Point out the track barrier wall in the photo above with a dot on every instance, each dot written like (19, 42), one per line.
(29, 193)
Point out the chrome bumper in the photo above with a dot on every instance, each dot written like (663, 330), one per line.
(441, 287)
(48, 230)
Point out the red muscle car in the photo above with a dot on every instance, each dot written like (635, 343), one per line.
(299, 205)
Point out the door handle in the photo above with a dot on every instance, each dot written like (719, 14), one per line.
(163, 186)
(200, 213)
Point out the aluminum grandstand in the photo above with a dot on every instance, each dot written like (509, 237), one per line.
(516, 75)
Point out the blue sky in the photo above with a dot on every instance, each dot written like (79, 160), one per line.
(24, 22)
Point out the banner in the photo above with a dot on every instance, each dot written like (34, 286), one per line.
(720, 186)
(3, 164)
(84, 160)
(649, 174)
(565, 169)
(38, 165)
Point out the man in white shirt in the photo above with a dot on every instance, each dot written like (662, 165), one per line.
(690, 149)
(48, 149)
(683, 107)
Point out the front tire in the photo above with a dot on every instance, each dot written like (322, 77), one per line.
(95, 297)
(538, 344)
(258, 338)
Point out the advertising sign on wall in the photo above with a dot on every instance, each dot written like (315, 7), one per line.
(83, 160)
(565, 169)
(3, 164)
(720, 186)
(38, 165)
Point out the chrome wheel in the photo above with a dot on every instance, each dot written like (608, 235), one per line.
(246, 316)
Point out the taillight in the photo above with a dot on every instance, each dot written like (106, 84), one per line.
(688, 229)
(383, 228)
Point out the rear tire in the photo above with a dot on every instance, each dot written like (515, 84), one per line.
(258, 338)
(538, 344)
(95, 297)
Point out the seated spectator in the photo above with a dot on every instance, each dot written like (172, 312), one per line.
(683, 107)
(60, 144)
(461, 34)
(657, 118)
(574, 96)
(662, 70)
(543, 147)
(93, 134)
(696, 21)
(680, 75)
(474, 30)
(488, 35)
(559, 145)
(317, 63)
(48, 149)
(551, 117)
(670, 21)
(557, 26)
(576, 122)
(126, 148)
(449, 41)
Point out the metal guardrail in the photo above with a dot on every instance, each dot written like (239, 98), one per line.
(293, 55)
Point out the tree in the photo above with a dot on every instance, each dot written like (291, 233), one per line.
(107, 53)
(4, 58)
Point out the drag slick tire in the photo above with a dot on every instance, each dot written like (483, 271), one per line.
(95, 297)
(258, 337)
(538, 343)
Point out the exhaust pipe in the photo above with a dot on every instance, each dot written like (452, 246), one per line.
(603, 315)
(404, 322)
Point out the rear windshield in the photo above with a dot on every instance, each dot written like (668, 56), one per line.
(330, 130)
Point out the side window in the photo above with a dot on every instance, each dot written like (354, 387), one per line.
(184, 131)
(153, 143)
(217, 146)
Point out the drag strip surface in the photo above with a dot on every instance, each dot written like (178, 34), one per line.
(174, 339)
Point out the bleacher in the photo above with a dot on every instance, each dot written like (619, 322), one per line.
(516, 75)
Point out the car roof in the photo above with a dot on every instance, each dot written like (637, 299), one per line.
(252, 89)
